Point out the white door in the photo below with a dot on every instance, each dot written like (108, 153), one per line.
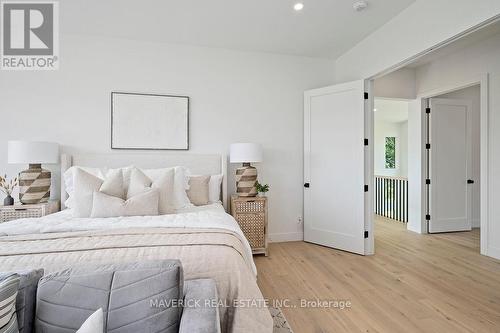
(450, 165)
(334, 172)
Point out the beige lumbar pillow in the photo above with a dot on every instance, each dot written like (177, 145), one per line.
(198, 192)
(142, 204)
(85, 186)
(163, 182)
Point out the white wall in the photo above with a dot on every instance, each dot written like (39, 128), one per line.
(235, 96)
(467, 64)
(419, 27)
(403, 142)
(399, 84)
(474, 95)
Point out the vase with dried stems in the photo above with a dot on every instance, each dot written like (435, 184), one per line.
(7, 187)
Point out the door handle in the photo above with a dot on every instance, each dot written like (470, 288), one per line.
(470, 181)
(306, 185)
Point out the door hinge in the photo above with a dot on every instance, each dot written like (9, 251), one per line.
(470, 181)
(428, 181)
(366, 142)
(366, 95)
(366, 188)
(427, 146)
(427, 217)
(366, 234)
(306, 185)
(427, 110)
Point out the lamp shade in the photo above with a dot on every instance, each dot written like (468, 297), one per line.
(245, 152)
(32, 152)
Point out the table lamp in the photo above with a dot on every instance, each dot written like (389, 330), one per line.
(246, 175)
(34, 183)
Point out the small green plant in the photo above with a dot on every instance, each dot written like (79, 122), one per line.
(262, 188)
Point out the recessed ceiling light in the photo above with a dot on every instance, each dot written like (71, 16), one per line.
(298, 6)
(374, 110)
(360, 5)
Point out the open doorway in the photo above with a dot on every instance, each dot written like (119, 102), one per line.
(391, 160)
(446, 168)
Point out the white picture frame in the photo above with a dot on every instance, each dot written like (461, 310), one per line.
(149, 121)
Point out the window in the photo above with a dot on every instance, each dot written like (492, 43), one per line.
(390, 152)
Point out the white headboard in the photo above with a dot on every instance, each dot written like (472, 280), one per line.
(202, 164)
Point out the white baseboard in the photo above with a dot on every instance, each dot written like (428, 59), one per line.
(413, 228)
(494, 252)
(476, 223)
(286, 237)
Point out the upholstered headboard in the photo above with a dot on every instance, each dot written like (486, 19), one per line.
(202, 164)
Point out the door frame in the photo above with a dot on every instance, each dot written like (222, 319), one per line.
(482, 81)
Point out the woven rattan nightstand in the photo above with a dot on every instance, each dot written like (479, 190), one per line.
(251, 215)
(18, 211)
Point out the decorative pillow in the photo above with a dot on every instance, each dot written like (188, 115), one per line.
(127, 172)
(26, 299)
(9, 284)
(93, 324)
(214, 188)
(198, 190)
(163, 182)
(181, 184)
(142, 204)
(85, 186)
(123, 290)
(69, 182)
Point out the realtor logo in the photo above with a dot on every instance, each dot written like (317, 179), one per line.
(30, 38)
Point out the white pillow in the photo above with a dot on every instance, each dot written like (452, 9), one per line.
(69, 176)
(214, 187)
(142, 204)
(163, 181)
(127, 171)
(181, 184)
(93, 324)
(85, 186)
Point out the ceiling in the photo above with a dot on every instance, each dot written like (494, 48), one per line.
(324, 28)
(390, 110)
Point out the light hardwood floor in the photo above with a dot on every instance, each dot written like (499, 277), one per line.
(414, 283)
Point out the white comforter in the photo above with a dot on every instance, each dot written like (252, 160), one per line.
(206, 217)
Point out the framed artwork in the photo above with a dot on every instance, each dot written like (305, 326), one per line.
(149, 121)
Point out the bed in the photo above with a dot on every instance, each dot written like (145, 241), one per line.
(206, 239)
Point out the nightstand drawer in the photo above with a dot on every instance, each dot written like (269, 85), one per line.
(20, 213)
(9, 213)
(254, 228)
(250, 206)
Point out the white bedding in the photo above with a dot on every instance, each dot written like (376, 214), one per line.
(207, 241)
(206, 217)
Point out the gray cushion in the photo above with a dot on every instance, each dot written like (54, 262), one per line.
(129, 295)
(26, 299)
(200, 312)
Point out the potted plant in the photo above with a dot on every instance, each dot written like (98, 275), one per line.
(7, 187)
(262, 189)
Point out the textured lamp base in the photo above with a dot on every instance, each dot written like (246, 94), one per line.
(246, 176)
(34, 185)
